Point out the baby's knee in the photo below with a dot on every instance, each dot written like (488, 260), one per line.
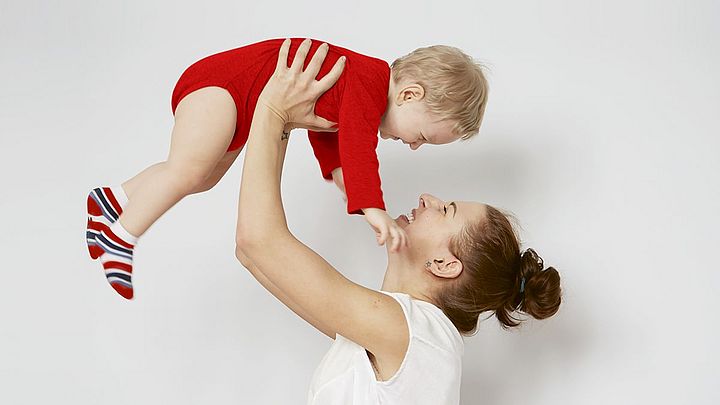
(189, 177)
(207, 185)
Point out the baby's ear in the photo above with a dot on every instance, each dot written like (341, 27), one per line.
(411, 92)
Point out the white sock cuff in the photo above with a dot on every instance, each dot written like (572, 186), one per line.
(123, 234)
(120, 195)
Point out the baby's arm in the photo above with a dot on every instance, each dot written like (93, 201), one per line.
(381, 222)
(386, 229)
(337, 176)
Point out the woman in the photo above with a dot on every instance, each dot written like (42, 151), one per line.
(400, 345)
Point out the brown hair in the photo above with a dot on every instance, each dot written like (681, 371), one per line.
(455, 87)
(492, 277)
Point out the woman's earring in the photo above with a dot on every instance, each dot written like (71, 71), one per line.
(427, 265)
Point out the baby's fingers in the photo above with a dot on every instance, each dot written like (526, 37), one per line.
(395, 239)
(382, 238)
(405, 239)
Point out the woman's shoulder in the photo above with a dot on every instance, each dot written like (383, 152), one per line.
(427, 323)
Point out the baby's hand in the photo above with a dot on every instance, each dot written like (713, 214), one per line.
(385, 226)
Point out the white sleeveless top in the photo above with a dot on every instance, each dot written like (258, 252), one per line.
(429, 373)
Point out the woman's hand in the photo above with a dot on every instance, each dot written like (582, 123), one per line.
(291, 93)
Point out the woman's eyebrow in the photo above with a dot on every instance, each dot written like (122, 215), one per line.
(454, 206)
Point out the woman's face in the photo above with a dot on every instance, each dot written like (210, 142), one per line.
(434, 222)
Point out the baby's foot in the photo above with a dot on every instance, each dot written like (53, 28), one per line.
(117, 246)
(104, 206)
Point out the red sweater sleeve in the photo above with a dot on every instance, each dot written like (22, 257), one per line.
(363, 104)
(325, 147)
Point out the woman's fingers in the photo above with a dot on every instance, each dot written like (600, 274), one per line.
(329, 79)
(300, 55)
(294, 92)
(319, 129)
(320, 124)
(317, 124)
(283, 55)
(313, 68)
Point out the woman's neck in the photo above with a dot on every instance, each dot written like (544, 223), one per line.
(404, 277)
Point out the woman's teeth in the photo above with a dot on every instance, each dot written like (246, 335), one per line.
(410, 217)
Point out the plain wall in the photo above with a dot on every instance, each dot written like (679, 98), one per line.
(601, 135)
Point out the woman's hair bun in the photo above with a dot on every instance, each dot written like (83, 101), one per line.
(541, 287)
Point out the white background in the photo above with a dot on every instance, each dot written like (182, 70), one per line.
(601, 136)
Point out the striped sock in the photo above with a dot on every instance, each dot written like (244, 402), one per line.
(104, 206)
(117, 245)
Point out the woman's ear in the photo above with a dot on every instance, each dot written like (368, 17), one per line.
(448, 267)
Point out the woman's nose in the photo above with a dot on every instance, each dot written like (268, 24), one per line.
(430, 201)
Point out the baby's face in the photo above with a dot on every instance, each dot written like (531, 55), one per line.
(412, 123)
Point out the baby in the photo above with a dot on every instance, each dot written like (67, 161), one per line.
(434, 95)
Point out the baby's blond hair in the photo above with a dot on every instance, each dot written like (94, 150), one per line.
(455, 87)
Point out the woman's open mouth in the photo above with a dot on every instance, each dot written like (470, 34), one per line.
(406, 219)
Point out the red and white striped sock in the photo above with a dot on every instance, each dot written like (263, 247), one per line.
(104, 206)
(117, 245)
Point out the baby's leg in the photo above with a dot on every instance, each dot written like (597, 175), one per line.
(212, 179)
(105, 204)
(204, 127)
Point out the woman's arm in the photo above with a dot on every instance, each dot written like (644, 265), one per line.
(281, 296)
(303, 279)
(272, 288)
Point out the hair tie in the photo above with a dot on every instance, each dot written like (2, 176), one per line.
(522, 285)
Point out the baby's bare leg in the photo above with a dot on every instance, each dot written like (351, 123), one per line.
(204, 127)
(218, 173)
(215, 176)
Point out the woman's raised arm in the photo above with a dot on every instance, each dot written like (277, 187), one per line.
(303, 280)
